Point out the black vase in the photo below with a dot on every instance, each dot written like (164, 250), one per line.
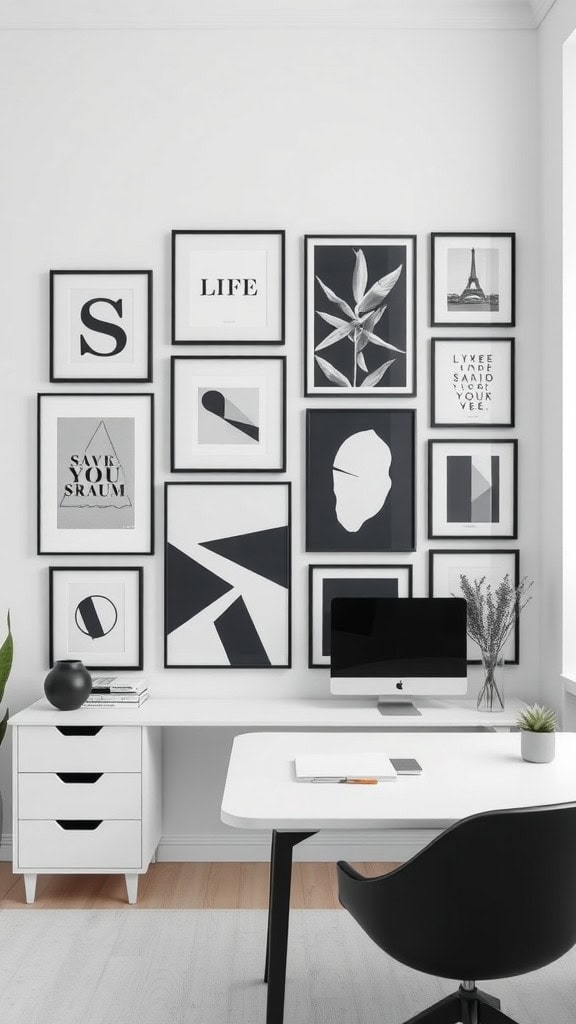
(68, 685)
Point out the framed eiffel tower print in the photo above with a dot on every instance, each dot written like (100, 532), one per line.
(95, 474)
(473, 279)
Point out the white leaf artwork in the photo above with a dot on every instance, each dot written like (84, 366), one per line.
(361, 476)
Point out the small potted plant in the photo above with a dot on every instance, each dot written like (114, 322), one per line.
(538, 727)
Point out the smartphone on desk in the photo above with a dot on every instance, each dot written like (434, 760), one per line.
(406, 765)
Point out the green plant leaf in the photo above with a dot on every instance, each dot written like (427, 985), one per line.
(6, 658)
(332, 373)
(379, 291)
(337, 335)
(360, 276)
(334, 298)
(376, 375)
(3, 725)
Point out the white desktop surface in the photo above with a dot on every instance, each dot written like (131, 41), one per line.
(283, 712)
(462, 774)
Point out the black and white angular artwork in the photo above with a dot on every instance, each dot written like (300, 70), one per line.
(227, 575)
(360, 315)
(360, 480)
(473, 489)
(329, 581)
(228, 414)
(472, 382)
(96, 616)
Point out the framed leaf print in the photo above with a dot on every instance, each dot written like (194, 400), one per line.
(360, 315)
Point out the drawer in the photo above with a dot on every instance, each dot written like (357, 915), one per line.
(79, 795)
(112, 844)
(65, 748)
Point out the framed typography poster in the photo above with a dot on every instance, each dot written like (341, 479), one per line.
(472, 382)
(95, 473)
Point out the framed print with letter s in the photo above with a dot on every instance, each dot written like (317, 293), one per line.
(228, 287)
(472, 382)
(100, 326)
(473, 279)
(360, 315)
(473, 489)
(95, 474)
(228, 414)
(328, 581)
(96, 616)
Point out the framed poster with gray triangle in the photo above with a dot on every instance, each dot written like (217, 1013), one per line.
(95, 474)
(227, 575)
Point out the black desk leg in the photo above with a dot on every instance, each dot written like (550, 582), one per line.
(278, 913)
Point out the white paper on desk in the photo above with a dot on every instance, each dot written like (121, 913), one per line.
(343, 766)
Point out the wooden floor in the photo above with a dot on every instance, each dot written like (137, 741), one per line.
(181, 886)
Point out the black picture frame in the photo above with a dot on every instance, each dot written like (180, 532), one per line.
(388, 525)
(83, 397)
(54, 571)
(472, 422)
(470, 553)
(511, 443)
(120, 378)
(504, 322)
(177, 361)
(348, 570)
(311, 287)
(273, 553)
(221, 233)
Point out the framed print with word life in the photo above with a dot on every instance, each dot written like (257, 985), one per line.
(328, 581)
(228, 287)
(360, 479)
(228, 414)
(472, 382)
(96, 616)
(473, 279)
(227, 575)
(100, 326)
(473, 489)
(95, 474)
(360, 315)
(445, 568)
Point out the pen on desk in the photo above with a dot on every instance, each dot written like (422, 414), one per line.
(348, 782)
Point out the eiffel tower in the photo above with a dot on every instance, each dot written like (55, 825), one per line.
(473, 286)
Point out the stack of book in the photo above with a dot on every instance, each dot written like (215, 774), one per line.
(114, 692)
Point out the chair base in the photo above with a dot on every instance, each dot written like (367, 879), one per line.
(466, 1006)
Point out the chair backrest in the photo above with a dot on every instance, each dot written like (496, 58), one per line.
(492, 897)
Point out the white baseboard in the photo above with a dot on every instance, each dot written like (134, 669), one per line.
(398, 845)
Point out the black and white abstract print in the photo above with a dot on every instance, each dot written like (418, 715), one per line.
(473, 488)
(227, 575)
(360, 480)
(229, 416)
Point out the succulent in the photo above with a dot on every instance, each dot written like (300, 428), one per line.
(537, 719)
(6, 656)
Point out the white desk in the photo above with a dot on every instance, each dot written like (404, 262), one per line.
(462, 774)
(90, 802)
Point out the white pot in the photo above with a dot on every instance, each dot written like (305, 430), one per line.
(538, 747)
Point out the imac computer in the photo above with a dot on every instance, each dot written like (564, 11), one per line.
(398, 648)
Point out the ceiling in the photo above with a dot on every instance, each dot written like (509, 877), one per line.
(317, 14)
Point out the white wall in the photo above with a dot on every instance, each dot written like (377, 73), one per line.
(110, 139)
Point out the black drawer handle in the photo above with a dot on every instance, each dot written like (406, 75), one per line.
(83, 825)
(85, 777)
(79, 730)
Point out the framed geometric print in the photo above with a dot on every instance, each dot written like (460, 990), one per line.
(328, 581)
(473, 489)
(96, 616)
(100, 326)
(360, 310)
(228, 414)
(95, 474)
(228, 287)
(473, 279)
(472, 382)
(227, 575)
(360, 480)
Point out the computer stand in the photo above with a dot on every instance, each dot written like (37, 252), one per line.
(397, 708)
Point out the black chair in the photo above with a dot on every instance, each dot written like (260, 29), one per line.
(493, 896)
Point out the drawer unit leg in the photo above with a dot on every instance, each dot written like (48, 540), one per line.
(30, 887)
(132, 887)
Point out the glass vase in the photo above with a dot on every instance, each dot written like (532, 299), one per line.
(491, 695)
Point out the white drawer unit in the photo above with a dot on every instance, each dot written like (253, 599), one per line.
(86, 799)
